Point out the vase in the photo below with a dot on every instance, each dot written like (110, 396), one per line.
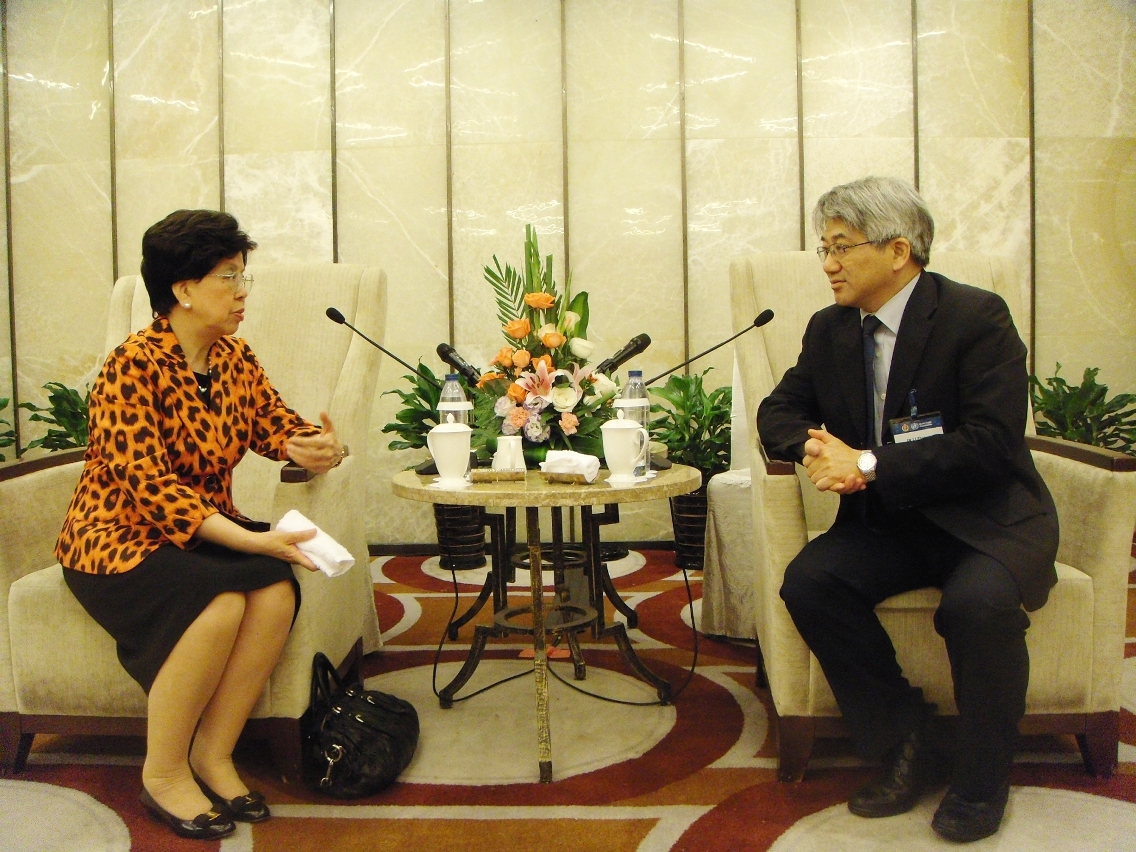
(688, 516)
(461, 536)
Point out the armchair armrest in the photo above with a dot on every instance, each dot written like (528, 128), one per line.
(292, 472)
(1084, 453)
(776, 468)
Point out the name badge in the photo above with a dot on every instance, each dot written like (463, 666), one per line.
(904, 429)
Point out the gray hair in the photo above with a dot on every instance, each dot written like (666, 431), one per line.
(881, 208)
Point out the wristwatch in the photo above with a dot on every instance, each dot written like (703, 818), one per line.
(867, 465)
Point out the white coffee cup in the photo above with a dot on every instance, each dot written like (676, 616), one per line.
(510, 454)
(625, 445)
(449, 445)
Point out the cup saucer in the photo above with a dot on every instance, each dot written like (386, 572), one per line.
(449, 484)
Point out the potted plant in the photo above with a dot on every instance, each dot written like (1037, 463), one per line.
(65, 415)
(461, 534)
(694, 425)
(1084, 413)
(7, 430)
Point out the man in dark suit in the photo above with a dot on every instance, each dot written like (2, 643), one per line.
(962, 508)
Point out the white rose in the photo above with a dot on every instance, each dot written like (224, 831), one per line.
(564, 398)
(580, 347)
(547, 328)
(602, 385)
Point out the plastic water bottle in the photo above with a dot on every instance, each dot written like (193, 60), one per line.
(637, 407)
(453, 407)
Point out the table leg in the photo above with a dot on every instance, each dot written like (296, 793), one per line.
(601, 586)
(496, 581)
(540, 658)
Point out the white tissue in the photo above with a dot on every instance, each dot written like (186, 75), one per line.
(329, 555)
(567, 461)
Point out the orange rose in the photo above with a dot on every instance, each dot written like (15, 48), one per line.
(547, 359)
(518, 329)
(540, 301)
(553, 339)
(504, 358)
(489, 377)
(521, 358)
(517, 393)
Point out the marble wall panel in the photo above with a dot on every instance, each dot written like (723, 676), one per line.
(741, 69)
(1085, 126)
(1085, 68)
(973, 68)
(391, 134)
(622, 69)
(856, 78)
(277, 133)
(390, 58)
(974, 153)
(507, 155)
(741, 155)
(6, 373)
(166, 115)
(59, 132)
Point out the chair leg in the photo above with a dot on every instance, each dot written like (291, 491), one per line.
(10, 743)
(284, 740)
(795, 744)
(1099, 743)
(761, 677)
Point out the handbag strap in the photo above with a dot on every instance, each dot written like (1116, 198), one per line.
(325, 681)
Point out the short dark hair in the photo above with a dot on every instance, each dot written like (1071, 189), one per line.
(186, 246)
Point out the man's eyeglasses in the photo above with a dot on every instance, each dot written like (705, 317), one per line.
(235, 280)
(838, 249)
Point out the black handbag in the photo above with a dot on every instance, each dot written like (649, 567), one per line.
(356, 740)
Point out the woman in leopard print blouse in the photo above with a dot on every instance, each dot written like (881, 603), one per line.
(198, 598)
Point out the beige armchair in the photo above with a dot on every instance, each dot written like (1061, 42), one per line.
(58, 669)
(1076, 641)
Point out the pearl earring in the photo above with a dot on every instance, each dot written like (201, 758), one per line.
(185, 304)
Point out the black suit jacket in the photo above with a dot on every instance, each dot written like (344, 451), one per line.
(958, 349)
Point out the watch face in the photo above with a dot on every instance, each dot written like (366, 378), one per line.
(866, 462)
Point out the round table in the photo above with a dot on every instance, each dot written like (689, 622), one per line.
(532, 493)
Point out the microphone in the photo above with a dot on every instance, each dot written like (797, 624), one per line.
(336, 316)
(758, 321)
(450, 355)
(632, 348)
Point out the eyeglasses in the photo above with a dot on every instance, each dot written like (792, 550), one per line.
(235, 280)
(838, 249)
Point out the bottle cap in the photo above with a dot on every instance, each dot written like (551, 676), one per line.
(634, 374)
(451, 377)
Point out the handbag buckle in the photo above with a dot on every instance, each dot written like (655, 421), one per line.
(337, 750)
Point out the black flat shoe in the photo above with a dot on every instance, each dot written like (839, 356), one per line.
(207, 826)
(964, 822)
(248, 808)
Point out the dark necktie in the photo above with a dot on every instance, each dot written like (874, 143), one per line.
(868, 332)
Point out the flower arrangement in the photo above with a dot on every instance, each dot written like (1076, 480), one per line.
(538, 385)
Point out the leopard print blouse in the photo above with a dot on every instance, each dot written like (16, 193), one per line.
(161, 455)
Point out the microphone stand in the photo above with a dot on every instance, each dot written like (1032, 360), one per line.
(757, 323)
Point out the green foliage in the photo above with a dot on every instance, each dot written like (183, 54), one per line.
(419, 413)
(66, 416)
(1084, 413)
(695, 423)
(7, 435)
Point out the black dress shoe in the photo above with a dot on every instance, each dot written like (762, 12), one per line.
(901, 782)
(210, 825)
(964, 822)
(248, 808)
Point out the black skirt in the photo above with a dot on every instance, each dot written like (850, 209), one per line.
(148, 608)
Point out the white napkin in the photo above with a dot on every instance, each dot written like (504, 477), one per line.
(567, 461)
(329, 555)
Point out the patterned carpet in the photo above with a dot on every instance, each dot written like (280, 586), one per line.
(698, 774)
